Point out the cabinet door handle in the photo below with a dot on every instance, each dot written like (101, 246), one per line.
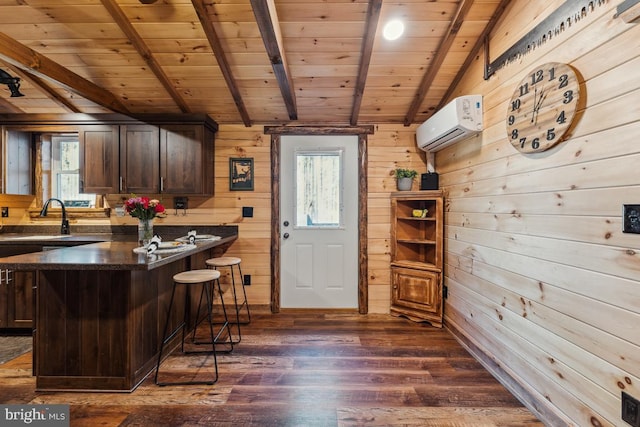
(120, 184)
(161, 184)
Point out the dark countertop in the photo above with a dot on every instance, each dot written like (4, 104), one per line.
(101, 251)
(61, 240)
(102, 256)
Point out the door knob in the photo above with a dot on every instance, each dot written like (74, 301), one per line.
(285, 235)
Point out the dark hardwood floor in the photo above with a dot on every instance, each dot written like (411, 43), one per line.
(305, 369)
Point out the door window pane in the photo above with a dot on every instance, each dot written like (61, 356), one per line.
(318, 189)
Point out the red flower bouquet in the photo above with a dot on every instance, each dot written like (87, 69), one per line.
(143, 208)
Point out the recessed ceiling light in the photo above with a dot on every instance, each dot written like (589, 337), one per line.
(393, 30)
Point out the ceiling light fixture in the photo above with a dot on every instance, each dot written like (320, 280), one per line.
(12, 82)
(393, 29)
(148, 1)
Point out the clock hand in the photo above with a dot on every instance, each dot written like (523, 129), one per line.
(537, 106)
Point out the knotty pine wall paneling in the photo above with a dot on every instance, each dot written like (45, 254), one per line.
(389, 147)
(541, 279)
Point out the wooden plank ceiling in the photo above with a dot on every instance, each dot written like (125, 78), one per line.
(240, 61)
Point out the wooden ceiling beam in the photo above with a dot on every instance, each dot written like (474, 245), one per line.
(9, 108)
(371, 25)
(438, 59)
(123, 22)
(269, 25)
(25, 58)
(481, 41)
(46, 87)
(223, 63)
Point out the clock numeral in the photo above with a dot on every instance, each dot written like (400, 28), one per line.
(537, 77)
(512, 119)
(561, 118)
(514, 134)
(522, 142)
(568, 97)
(551, 134)
(524, 89)
(515, 104)
(535, 144)
(564, 80)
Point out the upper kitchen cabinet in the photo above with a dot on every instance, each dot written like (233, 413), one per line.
(139, 159)
(148, 154)
(99, 159)
(167, 158)
(186, 159)
(17, 163)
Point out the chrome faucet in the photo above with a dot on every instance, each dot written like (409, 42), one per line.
(64, 229)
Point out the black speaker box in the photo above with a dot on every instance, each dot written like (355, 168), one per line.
(429, 181)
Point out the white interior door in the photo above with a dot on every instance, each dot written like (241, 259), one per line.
(319, 229)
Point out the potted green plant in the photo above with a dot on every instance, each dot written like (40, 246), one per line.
(404, 178)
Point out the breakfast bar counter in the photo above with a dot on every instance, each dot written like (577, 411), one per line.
(100, 307)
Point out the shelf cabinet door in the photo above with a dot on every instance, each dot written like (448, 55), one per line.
(186, 159)
(416, 294)
(16, 290)
(139, 159)
(99, 153)
(20, 299)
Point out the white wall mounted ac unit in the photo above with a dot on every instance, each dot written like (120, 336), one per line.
(459, 119)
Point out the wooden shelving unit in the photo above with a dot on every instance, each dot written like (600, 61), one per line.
(416, 255)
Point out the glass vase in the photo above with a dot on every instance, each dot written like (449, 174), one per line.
(145, 232)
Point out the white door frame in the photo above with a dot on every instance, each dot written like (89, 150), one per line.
(362, 132)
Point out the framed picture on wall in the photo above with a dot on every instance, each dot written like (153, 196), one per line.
(240, 173)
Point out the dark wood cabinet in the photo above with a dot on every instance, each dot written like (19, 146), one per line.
(148, 154)
(20, 299)
(17, 291)
(171, 158)
(139, 159)
(417, 256)
(99, 154)
(186, 160)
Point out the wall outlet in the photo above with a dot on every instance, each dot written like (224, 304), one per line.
(5, 212)
(631, 219)
(630, 410)
(247, 212)
(246, 280)
(180, 203)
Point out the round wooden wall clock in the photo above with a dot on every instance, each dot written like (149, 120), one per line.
(542, 107)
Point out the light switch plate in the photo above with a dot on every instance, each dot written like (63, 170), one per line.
(631, 219)
(630, 410)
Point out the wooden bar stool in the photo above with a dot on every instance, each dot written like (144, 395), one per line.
(230, 262)
(194, 277)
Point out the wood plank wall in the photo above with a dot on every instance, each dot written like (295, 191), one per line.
(540, 276)
(390, 146)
